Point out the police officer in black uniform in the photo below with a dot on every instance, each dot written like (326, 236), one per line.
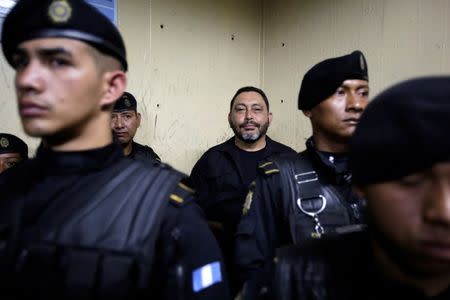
(81, 221)
(400, 161)
(306, 195)
(125, 121)
(222, 175)
(12, 151)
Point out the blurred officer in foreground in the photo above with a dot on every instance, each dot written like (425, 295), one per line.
(400, 159)
(222, 175)
(306, 195)
(81, 221)
(12, 151)
(125, 122)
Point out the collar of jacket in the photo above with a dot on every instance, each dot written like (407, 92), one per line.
(229, 146)
(326, 168)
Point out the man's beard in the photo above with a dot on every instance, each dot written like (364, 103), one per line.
(247, 137)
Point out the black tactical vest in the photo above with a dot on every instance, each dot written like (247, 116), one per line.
(313, 204)
(95, 241)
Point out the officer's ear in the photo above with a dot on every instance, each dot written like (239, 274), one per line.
(138, 117)
(307, 113)
(115, 82)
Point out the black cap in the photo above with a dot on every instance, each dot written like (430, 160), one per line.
(12, 144)
(125, 102)
(74, 19)
(403, 130)
(323, 79)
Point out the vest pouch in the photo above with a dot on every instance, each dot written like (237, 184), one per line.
(75, 273)
(37, 271)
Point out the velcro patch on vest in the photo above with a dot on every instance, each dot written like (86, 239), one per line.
(268, 168)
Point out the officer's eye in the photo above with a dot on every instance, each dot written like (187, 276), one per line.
(128, 116)
(257, 109)
(11, 164)
(239, 109)
(19, 61)
(340, 92)
(58, 62)
(363, 93)
(413, 179)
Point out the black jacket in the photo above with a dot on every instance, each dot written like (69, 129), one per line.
(218, 180)
(143, 152)
(97, 225)
(341, 268)
(273, 217)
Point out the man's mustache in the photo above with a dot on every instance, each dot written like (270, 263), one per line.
(249, 123)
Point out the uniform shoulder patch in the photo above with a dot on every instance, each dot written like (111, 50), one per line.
(206, 276)
(180, 194)
(268, 168)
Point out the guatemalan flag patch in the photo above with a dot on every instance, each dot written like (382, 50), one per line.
(206, 276)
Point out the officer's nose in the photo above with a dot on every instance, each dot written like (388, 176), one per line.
(118, 122)
(437, 207)
(355, 102)
(30, 78)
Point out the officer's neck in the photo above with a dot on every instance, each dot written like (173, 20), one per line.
(127, 148)
(250, 147)
(329, 145)
(91, 136)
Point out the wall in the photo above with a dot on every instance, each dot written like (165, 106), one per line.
(185, 66)
(400, 38)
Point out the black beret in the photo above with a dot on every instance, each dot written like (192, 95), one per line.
(324, 78)
(74, 19)
(125, 102)
(403, 130)
(12, 144)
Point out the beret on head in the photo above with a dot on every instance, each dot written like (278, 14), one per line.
(125, 102)
(12, 144)
(323, 79)
(73, 19)
(405, 129)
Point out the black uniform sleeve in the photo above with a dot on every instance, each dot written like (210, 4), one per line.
(189, 254)
(258, 232)
(198, 180)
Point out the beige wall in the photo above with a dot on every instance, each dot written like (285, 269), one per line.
(185, 73)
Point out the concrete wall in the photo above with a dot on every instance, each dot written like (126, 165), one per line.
(188, 57)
